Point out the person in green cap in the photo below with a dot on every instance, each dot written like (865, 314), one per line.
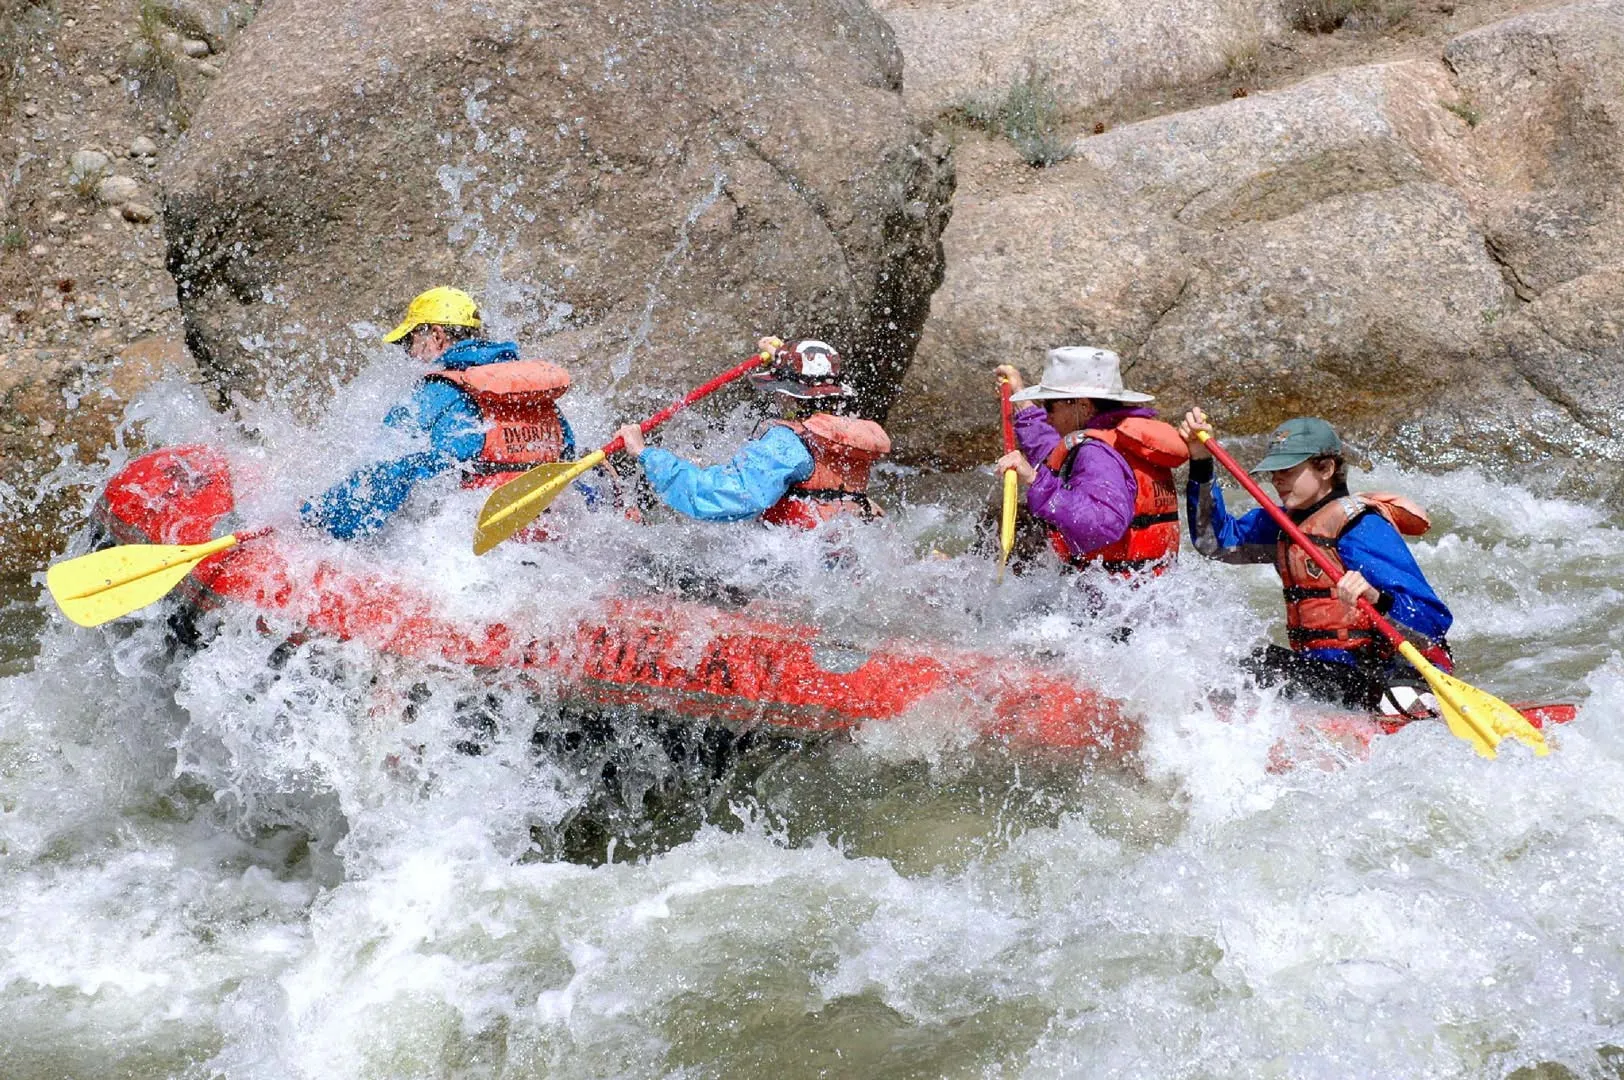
(1336, 654)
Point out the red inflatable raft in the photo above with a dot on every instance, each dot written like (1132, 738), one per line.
(665, 656)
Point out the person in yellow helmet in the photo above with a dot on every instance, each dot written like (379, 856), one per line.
(478, 409)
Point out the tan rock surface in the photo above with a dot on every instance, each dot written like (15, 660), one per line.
(658, 185)
(1093, 49)
(1367, 306)
(1365, 244)
(1547, 87)
(1156, 241)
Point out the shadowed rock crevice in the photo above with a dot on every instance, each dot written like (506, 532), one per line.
(1508, 271)
(1130, 359)
(906, 281)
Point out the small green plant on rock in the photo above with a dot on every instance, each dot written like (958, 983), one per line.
(1466, 111)
(155, 63)
(1241, 63)
(15, 238)
(1027, 113)
(1317, 16)
(1396, 11)
(85, 181)
(151, 27)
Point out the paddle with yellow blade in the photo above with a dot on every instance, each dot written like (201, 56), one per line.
(1006, 523)
(1472, 714)
(104, 585)
(519, 501)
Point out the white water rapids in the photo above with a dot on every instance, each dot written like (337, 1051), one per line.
(229, 863)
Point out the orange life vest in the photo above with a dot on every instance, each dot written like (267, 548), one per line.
(517, 403)
(1315, 618)
(843, 450)
(1152, 449)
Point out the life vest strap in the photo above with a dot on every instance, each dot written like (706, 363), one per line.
(1123, 566)
(864, 504)
(829, 494)
(1303, 637)
(486, 467)
(1298, 593)
(1145, 521)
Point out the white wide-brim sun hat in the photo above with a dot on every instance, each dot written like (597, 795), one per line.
(1079, 371)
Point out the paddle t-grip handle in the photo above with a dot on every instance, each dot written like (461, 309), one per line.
(1290, 528)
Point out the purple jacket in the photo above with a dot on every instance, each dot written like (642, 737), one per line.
(1094, 505)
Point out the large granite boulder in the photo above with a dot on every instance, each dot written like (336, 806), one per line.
(1568, 345)
(1090, 49)
(1548, 97)
(1418, 249)
(1365, 305)
(1206, 247)
(637, 190)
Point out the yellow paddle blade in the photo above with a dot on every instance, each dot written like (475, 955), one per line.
(519, 501)
(1006, 524)
(104, 585)
(1475, 715)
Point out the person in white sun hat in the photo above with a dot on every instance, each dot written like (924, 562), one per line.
(1097, 463)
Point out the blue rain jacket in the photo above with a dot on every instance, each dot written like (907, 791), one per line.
(1372, 547)
(757, 477)
(446, 418)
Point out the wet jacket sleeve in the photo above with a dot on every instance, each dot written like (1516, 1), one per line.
(745, 487)
(1375, 549)
(1250, 538)
(363, 501)
(1093, 506)
(567, 453)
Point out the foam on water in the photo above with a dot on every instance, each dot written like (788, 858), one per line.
(261, 861)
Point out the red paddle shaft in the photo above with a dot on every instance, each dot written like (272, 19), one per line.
(1009, 415)
(617, 443)
(1296, 534)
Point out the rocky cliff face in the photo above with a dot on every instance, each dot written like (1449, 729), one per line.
(665, 182)
(92, 98)
(1401, 247)
(1413, 229)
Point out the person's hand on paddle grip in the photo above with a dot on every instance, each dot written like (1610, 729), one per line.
(1353, 587)
(1196, 421)
(1011, 374)
(632, 434)
(1017, 461)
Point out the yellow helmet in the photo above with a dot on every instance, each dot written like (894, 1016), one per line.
(442, 306)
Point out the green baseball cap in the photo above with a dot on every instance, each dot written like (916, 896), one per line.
(1296, 441)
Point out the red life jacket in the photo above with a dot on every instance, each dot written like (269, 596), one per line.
(1152, 449)
(1315, 618)
(843, 450)
(517, 403)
